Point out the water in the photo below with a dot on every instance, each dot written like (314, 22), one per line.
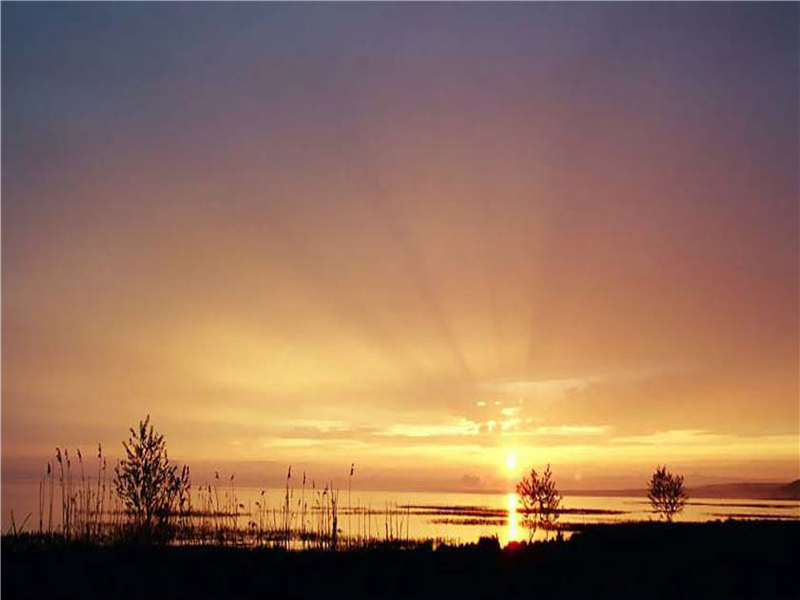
(456, 517)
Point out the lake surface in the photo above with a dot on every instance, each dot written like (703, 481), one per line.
(455, 517)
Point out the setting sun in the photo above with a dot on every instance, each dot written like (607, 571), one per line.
(511, 462)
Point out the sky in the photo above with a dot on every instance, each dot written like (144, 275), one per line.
(444, 242)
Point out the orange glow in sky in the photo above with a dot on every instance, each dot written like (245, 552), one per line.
(445, 247)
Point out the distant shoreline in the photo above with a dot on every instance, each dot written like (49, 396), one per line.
(732, 491)
(728, 491)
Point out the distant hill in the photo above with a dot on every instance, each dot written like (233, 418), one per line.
(750, 491)
(754, 491)
(792, 490)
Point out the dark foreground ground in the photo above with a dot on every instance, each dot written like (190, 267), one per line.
(643, 561)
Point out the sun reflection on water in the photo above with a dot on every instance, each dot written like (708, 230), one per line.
(512, 518)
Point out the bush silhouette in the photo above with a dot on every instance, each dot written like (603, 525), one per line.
(666, 493)
(154, 491)
(540, 499)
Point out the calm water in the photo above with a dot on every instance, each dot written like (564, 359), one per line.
(450, 516)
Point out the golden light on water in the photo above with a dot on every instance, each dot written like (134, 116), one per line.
(512, 518)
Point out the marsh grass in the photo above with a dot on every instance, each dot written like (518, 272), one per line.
(83, 513)
(300, 518)
(307, 518)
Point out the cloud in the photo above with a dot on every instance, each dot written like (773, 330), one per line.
(568, 430)
(545, 389)
(460, 428)
(471, 481)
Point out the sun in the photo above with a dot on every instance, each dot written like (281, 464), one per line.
(511, 462)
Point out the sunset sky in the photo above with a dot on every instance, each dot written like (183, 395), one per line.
(430, 239)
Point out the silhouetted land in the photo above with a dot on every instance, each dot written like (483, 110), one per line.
(643, 560)
(752, 491)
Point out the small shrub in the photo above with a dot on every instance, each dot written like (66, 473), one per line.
(540, 500)
(666, 493)
(153, 491)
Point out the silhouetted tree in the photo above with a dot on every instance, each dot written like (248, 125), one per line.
(153, 490)
(540, 500)
(666, 493)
